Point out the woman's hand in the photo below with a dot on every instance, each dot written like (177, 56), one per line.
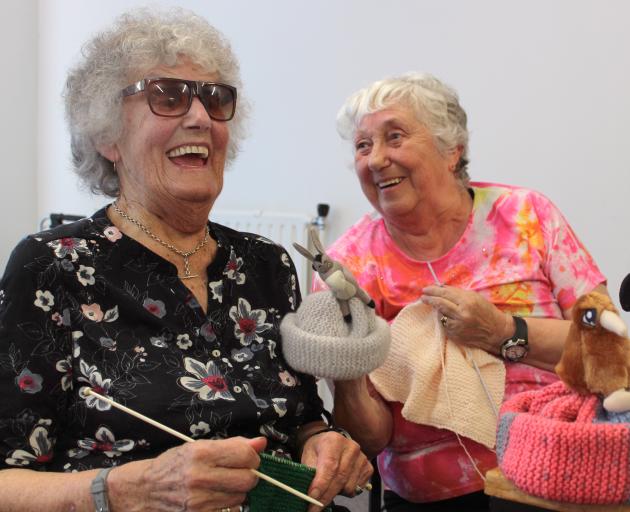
(340, 466)
(200, 476)
(470, 318)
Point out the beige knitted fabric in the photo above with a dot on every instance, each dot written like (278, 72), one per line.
(412, 374)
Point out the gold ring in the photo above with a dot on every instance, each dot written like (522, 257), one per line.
(226, 509)
(444, 320)
(358, 489)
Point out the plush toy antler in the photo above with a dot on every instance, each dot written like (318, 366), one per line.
(596, 356)
(340, 281)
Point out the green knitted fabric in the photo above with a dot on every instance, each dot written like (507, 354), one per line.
(269, 498)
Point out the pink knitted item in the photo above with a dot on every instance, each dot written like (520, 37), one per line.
(562, 446)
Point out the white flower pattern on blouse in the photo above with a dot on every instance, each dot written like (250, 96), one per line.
(40, 445)
(86, 275)
(65, 366)
(83, 306)
(103, 441)
(249, 323)
(44, 300)
(208, 381)
(233, 267)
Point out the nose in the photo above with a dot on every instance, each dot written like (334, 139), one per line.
(378, 158)
(197, 116)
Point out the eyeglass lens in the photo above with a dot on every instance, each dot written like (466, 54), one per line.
(173, 98)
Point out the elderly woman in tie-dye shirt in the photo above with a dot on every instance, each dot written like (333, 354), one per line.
(502, 253)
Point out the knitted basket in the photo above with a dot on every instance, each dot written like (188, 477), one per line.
(562, 446)
(316, 340)
(266, 497)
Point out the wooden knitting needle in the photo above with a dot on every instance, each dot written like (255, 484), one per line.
(184, 437)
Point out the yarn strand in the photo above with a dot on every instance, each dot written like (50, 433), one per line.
(448, 394)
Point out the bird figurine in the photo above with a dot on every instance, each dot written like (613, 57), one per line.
(596, 355)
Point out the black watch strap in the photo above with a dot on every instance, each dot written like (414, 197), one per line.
(98, 488)
(517, 347)
(330, 428)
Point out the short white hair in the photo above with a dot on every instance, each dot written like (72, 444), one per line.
(434, 104)
(139, 40)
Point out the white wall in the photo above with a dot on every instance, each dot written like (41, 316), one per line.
(546, 86)
(18, 129)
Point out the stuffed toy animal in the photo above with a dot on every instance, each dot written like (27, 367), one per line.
(341, 282)
(334, 333)
(596, 356)
(624, 293)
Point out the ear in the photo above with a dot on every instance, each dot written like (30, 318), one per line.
(454, 157)
(109, 151)
(303, 252)
(312, 231)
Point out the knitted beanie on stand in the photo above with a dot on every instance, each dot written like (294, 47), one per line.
(316, 340)
(559, 445)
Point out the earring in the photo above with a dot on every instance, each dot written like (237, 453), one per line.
(115, 169)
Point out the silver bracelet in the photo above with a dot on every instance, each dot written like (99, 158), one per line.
(98, 488)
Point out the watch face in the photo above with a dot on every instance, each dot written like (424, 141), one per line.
(515, 352)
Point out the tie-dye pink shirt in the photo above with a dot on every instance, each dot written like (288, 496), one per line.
(519, 252)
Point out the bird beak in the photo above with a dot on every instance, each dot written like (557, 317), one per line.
(613, 323)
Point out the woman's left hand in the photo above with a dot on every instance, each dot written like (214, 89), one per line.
(469, 318)
(341, 466)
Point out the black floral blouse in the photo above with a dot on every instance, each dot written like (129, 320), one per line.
(83, 305)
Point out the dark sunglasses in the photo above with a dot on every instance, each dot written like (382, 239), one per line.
(172, 97)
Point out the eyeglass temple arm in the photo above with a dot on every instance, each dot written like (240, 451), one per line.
(133, 88)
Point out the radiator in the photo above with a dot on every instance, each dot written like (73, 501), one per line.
(282, 228)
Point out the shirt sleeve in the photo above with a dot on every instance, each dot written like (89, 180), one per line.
(34, 357)
(568, 264)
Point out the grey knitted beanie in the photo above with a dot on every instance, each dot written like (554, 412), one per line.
(317, 341)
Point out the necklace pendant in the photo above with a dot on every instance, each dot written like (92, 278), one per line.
(170, 247)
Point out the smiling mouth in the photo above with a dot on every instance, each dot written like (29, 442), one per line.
(189, 155)
(389, 183)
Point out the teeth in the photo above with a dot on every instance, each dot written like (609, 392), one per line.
(389, 183)
(202, 151)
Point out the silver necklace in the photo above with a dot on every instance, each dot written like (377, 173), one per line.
(170, 247)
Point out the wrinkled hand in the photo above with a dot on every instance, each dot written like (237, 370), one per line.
(470, 318)
(204, 475)
(340, 466)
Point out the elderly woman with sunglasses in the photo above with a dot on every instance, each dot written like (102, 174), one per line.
(150, 305)
(494, 269)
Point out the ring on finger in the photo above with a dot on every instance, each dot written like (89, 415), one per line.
(358, 489)
(444, 320)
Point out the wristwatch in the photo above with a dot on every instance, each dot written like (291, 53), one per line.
(331, 428)
(516, 348)
(341, 431)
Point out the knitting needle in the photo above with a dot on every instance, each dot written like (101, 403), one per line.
(184, 437)
(435, 277)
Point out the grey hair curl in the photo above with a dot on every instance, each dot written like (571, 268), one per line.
(138, 41)
(434, 104)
